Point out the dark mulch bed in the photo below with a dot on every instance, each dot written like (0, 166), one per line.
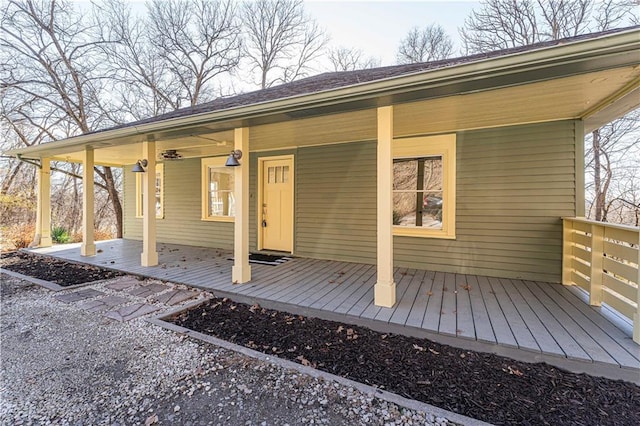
(483, 386)
(58, 271)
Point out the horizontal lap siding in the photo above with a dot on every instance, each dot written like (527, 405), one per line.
(513, 186)
(336, 202)
(182, 222)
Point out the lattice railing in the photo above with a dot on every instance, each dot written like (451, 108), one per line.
(603, 259)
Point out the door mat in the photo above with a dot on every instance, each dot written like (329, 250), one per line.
(266, 259)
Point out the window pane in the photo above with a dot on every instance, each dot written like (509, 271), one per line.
(272, 175)
(405, 174)
(432, 205)
(432, 173)
(157, 195)
(220, 179)
(417, 174)
(418, 209)
(285, 174)
(417, 198)
(221, 201)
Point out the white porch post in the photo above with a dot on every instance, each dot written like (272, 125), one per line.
(241, 271)
(385, 288)
(149, 255)
(88, 247)
(42, 236)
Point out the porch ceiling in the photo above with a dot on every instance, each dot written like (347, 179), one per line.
(577, 97)
(188, 144)
(596, 97)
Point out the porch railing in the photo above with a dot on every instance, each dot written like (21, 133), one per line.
(603, 259)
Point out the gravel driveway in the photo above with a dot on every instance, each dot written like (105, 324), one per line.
(64, 365)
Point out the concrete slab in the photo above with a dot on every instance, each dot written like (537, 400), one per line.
(129, 312)
(148, 290)
(76, 296)
(174, 297)
(103, 304)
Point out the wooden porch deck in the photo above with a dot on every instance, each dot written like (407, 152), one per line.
(525, 320)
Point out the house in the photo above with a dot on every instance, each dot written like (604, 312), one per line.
(465, 165)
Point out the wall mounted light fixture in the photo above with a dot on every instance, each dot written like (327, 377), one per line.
(139, 166)
(232, 161)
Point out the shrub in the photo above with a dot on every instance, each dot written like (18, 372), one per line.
(98, 235)
(60, 235)
(17, 236)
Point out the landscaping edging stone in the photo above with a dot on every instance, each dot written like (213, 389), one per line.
(48, 284)
(283, 363)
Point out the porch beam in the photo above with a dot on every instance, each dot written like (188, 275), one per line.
(88, 247)
(385, 287)
(42, 237)
(241, 271)
(149, 256)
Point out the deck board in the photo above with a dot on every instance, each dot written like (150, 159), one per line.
(481, 321)
(576, 324)
(404, 300)
(365, 300)
(448, 310)
(403, 308)
(350, 288)
(548, 320)
(431, 319)
(617, 342)
(416, 315)
(344, 286)
(518, 326)
(543, 338)
(311, 285)
(499, 323)
(465, 326)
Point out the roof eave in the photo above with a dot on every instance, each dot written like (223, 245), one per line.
(620, 43)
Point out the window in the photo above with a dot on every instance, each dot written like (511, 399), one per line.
(218, 201)
(159, 193)
(424, 173)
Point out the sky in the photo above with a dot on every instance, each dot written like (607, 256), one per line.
(377, 27)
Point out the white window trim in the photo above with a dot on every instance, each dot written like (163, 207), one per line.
(427, 146)
(159, 169)
(206, 163)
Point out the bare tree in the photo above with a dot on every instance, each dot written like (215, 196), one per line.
(198, 41)
(173, 56)
(613, 178)
(431, 43)
(501, 24)
(350, 59)
(53, 71)
(281, 40)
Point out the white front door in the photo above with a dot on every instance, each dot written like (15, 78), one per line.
(276, 211)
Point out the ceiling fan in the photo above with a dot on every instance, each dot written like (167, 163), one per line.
(170, 154)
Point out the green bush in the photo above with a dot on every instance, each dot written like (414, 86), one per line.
(60, 235)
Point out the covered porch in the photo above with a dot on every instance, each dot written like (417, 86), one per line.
(526, 320)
